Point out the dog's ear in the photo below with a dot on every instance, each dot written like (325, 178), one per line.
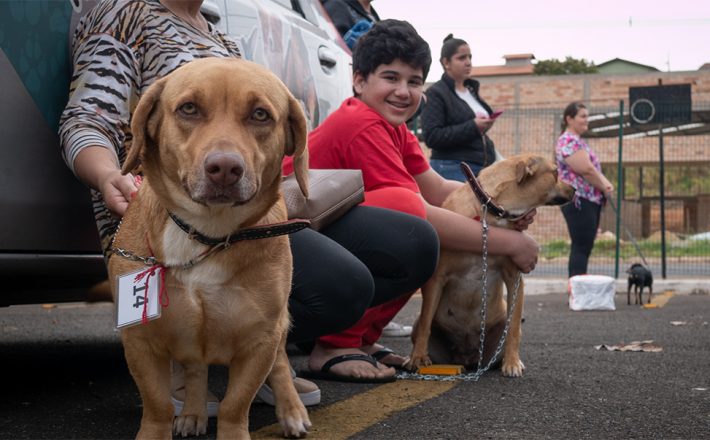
(141, 128)
(526, 168)
(297, 143)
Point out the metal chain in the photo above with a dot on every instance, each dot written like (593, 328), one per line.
(148, 261)
(474, 376)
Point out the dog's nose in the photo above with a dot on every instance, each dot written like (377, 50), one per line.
(224, 169)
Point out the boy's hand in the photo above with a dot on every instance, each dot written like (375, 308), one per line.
(525, 253)
(526, 221)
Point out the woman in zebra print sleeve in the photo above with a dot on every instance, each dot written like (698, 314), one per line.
(120, 48)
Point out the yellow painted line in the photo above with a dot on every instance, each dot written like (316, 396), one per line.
(348, 417)
(661, 300)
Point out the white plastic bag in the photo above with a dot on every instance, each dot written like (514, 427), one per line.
(591, 292)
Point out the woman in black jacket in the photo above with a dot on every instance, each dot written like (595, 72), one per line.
(455, 119)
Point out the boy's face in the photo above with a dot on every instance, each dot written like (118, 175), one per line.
(392, 90)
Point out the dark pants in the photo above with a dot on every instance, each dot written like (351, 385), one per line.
(582, 225)
(367, 257)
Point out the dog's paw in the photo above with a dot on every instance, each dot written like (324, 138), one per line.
(294, 421)
(513, 368)
(415, 361)
(190, 425)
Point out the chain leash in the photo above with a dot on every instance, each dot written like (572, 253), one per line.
(148, 261)
(474, 376)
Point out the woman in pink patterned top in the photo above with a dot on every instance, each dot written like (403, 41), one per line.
(579, 166)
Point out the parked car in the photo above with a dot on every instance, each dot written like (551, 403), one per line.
(49, 248)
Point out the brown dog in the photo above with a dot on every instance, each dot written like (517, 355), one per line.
(211, 137)
(448, 328)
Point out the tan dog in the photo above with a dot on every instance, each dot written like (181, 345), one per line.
(211, 137)
(449, 326)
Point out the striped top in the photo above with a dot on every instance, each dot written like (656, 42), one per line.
(119, 49)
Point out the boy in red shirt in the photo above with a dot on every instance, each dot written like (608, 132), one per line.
(369, 132)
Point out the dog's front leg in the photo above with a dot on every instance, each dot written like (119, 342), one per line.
(151, 372)
(193, 418)
(431, 296)
(247, 371)
(512, 365)
(290, 411)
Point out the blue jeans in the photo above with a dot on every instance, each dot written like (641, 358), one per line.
(451, 169)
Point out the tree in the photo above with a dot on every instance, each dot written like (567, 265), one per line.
(569, 66)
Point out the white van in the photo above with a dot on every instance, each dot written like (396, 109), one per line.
(49, 249)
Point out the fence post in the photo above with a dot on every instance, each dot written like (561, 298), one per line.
(662, 193)
(619, 187)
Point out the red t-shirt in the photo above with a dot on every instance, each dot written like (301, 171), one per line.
(357, 137)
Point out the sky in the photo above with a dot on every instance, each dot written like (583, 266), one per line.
(668, 35)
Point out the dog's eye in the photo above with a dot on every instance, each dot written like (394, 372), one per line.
(260, 115)
(188, 108)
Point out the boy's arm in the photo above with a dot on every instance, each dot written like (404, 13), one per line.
(434, 188)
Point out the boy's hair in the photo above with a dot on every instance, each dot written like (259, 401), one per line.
(389, 40)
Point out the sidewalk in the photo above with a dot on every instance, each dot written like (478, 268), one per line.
(681, 286)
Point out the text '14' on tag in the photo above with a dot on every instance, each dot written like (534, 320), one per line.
(132, 294)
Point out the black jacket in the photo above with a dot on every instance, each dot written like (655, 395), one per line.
(345, 13)
(448, 126)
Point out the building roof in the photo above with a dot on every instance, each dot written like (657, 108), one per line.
(622, 62)
(515, 64)
(525, 56)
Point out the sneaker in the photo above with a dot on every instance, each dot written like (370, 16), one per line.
(178, 398)
(308, 392)
(394, 329)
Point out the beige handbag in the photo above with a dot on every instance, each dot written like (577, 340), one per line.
(331, 193)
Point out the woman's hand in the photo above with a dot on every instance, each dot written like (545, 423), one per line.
(607, 187)
(526, 221)
(97, 167)
(484, 124)
(118, 190)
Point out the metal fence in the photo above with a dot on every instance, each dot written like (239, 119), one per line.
(664, 196)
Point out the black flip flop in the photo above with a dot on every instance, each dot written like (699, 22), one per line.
(383, 353)
(325, 374)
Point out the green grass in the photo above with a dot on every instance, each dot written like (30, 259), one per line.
(651, 249)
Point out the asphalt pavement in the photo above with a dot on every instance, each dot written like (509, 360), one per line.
(65, 377)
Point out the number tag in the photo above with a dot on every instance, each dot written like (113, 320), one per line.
(132, 295)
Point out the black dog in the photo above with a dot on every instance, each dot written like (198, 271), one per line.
(639, 277)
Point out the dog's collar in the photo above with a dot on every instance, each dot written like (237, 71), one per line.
(486, 199)
(254, 233)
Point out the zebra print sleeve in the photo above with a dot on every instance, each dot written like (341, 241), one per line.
(102, 94)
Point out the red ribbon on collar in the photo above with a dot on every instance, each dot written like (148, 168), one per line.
(163, 294)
